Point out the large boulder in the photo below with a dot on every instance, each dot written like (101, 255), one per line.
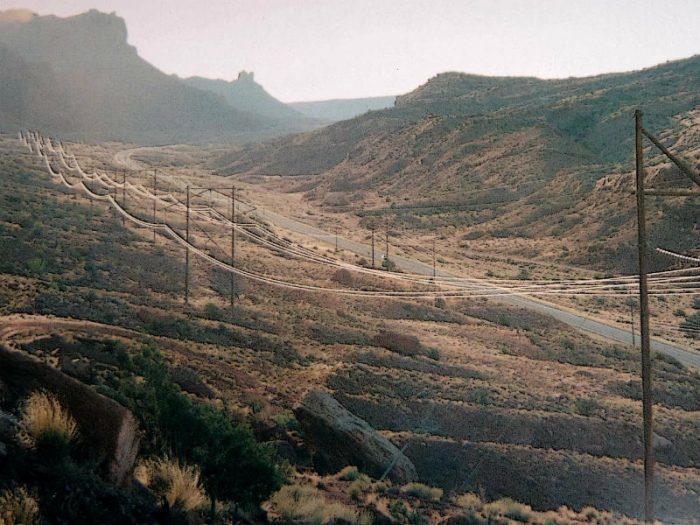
(104, 424)
(339, 438)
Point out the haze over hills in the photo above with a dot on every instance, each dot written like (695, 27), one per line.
(502, 158)
(342, 109)
(79, 77)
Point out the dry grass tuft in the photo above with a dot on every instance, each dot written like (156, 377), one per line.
(44, 416)
(18, 507)
(508, 508)
(303, 504)
(179, 484)
(422, 491)
(469, 501)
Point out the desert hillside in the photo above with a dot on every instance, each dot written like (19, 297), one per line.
(498, 160)
(481, 398)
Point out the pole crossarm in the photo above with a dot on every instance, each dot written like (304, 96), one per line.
(679, 162)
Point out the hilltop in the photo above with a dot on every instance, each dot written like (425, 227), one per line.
(245, 94)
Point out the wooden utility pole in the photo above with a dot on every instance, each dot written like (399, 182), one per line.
(433, 259)
(373, 246)
(233, 244)
(187, 252)
(634, 342)
(154, 202)
(386, 253)
(123, 195)
(647, 401)
(336, 239)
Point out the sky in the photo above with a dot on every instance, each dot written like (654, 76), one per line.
(322, 49)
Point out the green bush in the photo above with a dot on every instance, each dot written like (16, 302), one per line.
(233, 465)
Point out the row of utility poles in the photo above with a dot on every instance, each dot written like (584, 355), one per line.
(201, 191)
(641, 193)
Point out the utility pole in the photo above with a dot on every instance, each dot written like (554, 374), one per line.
(187, 249)
(433, 259)
(634, 342)
(154, 202)
(336, 239)
(647, 401)
(386, 253)
(372, 245)
(123, 195)
(233, 243)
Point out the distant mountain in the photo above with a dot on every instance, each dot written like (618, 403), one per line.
(246, 94)
(506, 158)
(342, 109)
(93, 85)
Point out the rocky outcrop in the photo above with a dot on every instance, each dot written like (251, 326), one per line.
(104, 424)
(339, 438)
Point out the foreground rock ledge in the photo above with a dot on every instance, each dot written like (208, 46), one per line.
(104, 424)
(339, 438)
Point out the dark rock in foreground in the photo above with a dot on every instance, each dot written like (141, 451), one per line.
(339, 438)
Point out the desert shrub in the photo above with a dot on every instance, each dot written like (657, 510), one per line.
(421, 312)
(330, 335)
(433, 353)
(422, 491)
(480, 396)
(469, 501)
(349, 473)
(508, 508)
(402, 514)
(302, 504)
(586, 406)
(470, 517)
(233, 465)
(358, 488)
(399, 343)
(213, 312)
(18, 507)
(286, 420)
(178, 484)
(44, 420)
(343, 277)
(37, 266)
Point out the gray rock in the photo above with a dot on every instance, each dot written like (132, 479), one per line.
(339, 438)
(661, 442)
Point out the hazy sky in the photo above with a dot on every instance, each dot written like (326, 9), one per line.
(314, 49)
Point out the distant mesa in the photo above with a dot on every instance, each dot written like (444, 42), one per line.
(245, 76)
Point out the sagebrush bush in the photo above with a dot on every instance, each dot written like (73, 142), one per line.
(18, 507)
(178, 484)
(43, 417)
